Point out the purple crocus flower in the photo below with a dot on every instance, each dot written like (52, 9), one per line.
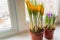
(49, 14)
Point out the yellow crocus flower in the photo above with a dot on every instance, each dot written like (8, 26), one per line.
(35, 8)
(30, 5)
(42, 9)
(38, 8)
(26, 0)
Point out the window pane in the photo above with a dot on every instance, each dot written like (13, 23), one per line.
(5, 22)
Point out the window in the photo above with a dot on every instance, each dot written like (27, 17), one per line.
(8, 18)
(5, 22)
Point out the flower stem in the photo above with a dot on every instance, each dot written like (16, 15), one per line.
(41, 21)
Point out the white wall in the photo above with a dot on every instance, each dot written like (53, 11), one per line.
(58, 19)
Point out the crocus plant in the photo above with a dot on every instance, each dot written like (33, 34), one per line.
(50, 20)
(36, 12)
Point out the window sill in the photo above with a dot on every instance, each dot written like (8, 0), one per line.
(25, 36)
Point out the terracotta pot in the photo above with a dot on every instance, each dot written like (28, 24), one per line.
(49, 34)
(36, 36)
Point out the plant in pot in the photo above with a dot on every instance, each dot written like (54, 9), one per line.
(50, 25)
(36, 12)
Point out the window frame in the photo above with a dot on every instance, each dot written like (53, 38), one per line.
(14, 22)
(21, 15)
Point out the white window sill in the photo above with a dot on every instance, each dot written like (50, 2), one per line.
(25, 36)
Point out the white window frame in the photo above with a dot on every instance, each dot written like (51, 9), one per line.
(14, 22)
(23, 25)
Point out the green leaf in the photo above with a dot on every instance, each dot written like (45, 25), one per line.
(30, 14)
(29, 11)
(35, 17)
(46, 19)
(35, 13)
(54, 19)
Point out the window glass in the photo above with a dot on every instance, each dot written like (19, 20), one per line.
(5, 22)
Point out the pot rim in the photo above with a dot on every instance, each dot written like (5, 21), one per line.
(37, 33)
(50, 29)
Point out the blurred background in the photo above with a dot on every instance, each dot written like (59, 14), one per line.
(14, 19)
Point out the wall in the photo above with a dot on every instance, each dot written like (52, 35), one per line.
(58, 18)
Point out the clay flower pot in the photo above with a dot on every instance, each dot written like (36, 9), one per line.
(36, 36)
(49, 34)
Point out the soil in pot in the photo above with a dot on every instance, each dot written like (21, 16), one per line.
(37, 35)
(49, 33)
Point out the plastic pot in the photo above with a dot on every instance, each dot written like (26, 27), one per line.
(36, 36)
(49, 33)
